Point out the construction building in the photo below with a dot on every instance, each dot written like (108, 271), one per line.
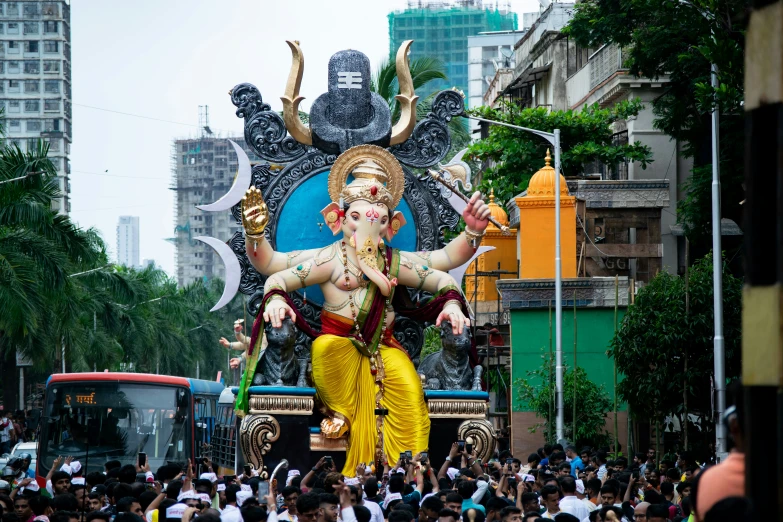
(441, 30)
(202, 171)
(35, 82)
(128, 241)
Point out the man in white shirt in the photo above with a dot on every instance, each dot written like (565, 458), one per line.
(570, 503)
(357, 500)
(231, 511)
(290, 496)
(550, 497)
(600, 458)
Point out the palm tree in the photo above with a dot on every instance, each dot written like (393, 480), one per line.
(424, 70)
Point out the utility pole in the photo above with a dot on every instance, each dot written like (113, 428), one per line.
(554, 139)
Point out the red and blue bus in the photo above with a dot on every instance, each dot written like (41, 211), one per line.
(97, 417)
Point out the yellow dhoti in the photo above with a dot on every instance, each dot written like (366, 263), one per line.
(346, 386)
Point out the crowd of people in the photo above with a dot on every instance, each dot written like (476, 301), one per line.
(559, 483)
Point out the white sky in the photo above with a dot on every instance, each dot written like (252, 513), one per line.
(162, 59)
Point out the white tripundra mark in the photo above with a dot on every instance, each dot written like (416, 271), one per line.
(349, 80)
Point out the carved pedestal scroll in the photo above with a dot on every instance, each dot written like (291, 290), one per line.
(256, 435)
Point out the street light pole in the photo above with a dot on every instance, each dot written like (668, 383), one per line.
(719, 353)
(718, 346)
(558, 297)
(554, 139)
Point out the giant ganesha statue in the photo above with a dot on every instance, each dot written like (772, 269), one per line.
(365, 380)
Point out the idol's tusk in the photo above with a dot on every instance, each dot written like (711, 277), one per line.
(407, 97)
(291, 100)
(436, 175)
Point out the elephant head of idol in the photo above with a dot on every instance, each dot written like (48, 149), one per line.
(366, 184)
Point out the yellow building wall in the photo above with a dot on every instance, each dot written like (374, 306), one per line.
(537, 237)
(505, 253)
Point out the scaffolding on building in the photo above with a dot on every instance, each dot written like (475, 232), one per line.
(440, 29)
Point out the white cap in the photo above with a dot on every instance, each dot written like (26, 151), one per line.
(5, 485)
(246, 487)
(580, 486)
(78, 481)
(390, 497)
(176, 511)
(188, 495)
(242, 496)
(291, 474)
(221, 487)
(209, 476)
(205, 498)
(452, 472)
(351, 481)
(76, 466)
(32, 486)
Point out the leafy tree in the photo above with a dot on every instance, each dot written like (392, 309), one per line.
(665, 352)
(537, 393)
(585, 136)
(679, 40)
(59, 292)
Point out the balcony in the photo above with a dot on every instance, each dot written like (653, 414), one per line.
(603, 80)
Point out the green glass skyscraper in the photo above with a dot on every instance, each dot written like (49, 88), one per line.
(441, 29)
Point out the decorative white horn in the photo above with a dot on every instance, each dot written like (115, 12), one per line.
(407, 97)
(237, 190)
(233, 272)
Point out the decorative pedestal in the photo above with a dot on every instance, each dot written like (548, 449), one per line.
(277, 427)
(282, 424)
(459, 415)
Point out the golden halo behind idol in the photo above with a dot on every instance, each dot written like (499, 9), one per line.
(378, 178)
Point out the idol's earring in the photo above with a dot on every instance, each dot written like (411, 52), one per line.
(352, 242)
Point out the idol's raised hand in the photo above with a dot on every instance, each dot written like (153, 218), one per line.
(476, 214)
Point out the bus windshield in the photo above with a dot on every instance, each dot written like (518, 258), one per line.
(99, 421)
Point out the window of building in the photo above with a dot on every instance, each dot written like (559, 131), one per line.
(477, 19)
(13, 8)
(33, 125)
(51, 105)
(13, 28)
(32, 86)
(50, 9)
(32, 67)
(51, 125)
(54, 144)
(13, 47)
(32, 105)
(2, 8)
(31, 28)
(15, 125)
(51, 66)
(52, 86)
(2, 26)
(50, 27)
(51, 46)
(31, 47)
(419, 34)
(14, 106)
(31, 9)
(32, 143)
(13, 67)
(2, 104)
(2, 69)
(14, 86)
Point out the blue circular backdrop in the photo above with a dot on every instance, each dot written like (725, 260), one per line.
(297, 225)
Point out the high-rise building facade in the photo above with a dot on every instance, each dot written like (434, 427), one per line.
(35, 81)
(440, 29)
(202, 171)
(128, 241)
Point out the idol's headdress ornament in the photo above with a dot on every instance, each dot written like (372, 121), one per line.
(378, 177)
